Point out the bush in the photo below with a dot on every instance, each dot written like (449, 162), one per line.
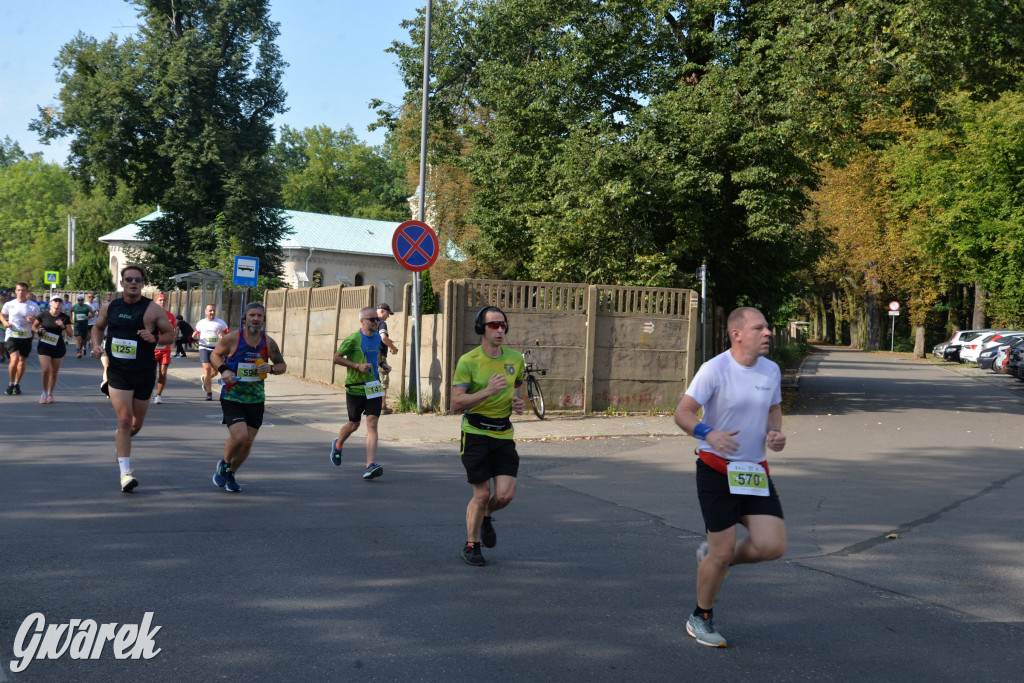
(784, 355)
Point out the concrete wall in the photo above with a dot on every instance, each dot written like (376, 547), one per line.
(623, 348)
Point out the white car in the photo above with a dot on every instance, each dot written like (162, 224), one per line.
(970, 350)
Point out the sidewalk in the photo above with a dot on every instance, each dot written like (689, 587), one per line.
(322, 407)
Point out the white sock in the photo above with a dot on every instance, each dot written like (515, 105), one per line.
(125, 464)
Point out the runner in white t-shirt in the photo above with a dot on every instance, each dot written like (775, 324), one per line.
(17, 315)
(741, 394)
(208, 332)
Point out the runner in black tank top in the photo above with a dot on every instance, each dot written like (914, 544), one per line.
(128, 352)
(134, 325)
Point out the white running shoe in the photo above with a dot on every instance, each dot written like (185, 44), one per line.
(158, 399)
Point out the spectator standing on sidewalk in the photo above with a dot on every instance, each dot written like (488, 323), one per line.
(741, 393)
(384, 312)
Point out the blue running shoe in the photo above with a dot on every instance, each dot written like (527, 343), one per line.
(229, 479)
(373, 470)
(335, 453)
(218, 475)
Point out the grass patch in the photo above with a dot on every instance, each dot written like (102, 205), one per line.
(406, 404)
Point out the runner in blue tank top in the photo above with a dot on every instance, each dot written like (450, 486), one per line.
(243, 358)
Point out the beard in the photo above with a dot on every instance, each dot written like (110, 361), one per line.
(253, 329)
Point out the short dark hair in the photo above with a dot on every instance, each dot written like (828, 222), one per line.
(134, 266)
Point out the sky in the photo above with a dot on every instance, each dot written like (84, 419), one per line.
(334, 48)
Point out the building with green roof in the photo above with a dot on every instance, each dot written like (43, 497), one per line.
(322, 250)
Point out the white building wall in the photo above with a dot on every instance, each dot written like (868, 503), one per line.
(343, 268)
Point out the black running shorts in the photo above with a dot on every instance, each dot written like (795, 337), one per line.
(52, 350)
(249, 413)
(357, 405)
(21, 346)
(485, 457)
(139, 382)
(723, 509)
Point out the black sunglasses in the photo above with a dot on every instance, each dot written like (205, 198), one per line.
(372, 320)
(132, 279)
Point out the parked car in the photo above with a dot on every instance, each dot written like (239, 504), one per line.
(952, 350)
(988, 355)
(1003, 354)
(969, 351)
(939, 348)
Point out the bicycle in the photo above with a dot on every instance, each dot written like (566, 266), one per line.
(533, 392)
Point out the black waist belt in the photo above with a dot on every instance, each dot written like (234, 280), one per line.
(490, 424)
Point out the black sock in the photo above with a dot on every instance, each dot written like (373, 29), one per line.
(700, 612)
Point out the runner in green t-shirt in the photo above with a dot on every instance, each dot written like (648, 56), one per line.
(80, 314)
(359, 352)
(488, 388)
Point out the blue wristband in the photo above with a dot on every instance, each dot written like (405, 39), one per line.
(701, 430)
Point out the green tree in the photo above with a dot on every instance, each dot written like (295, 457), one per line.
(181, 115)
(327, 171)
(35, 197)
(10, 152)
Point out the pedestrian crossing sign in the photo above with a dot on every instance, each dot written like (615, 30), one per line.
(51, 277)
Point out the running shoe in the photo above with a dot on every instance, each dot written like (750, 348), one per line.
(335, 453)
(128, 481)
(209, 396)
(373, 470)
(17, 390)
(702, 552)
(158, 399)
(229, 480)
(10, 389)
(471, 555)
(487, 533)
(50, 399)
(218, 475)
(79, 353)
(703, 629)
(42, 399)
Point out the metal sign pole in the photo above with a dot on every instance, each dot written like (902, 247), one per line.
(892, 338)
(417, 282)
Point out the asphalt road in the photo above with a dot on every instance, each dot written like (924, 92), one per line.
(901, 485)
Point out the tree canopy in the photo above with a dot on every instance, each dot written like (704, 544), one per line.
(180, 115)
(629, 141)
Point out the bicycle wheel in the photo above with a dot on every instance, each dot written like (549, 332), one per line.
(536, 397)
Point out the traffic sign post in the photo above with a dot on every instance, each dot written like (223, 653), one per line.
(894, 311)
(416, 248)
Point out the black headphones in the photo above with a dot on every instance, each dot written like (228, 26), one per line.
(479, 325)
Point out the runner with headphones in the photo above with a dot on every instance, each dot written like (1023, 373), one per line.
(488, 388)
